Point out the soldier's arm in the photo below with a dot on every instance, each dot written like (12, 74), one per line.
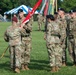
(48, 31)
(28, 27)
(6, 38)
(22, 31)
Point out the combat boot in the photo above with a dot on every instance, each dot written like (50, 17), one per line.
(53, 69)
(63, 64)
(17, 70)
(26, 67)
(74, 64)
(23, 67)
(57, 68)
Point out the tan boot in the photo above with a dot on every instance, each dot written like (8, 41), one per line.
(17, 70)
(74, 65)
(26, 67)
(23, 67)
(53, 69)
(57, 68)
(63, 64)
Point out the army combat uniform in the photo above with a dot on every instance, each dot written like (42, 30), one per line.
(26, 41)
(72, 39)
(13, 36)
(63, 26)
(53, 45)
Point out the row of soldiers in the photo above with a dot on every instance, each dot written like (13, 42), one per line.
(19, 37)
(60, 33)
(58, 29)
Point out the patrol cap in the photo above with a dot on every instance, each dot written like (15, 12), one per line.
(56, 13)
(61, 9)
(20, 10)
(72, 11)
(14, 19)
(50, 17)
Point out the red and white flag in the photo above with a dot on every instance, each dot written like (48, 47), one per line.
(32, 12)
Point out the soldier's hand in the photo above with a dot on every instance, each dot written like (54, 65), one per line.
(22, 25)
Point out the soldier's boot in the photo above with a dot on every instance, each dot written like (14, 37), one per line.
(26, 67)
(39, 29)
(17, 70)
(74, 64)
(63, 64)
(57, 68)
(53, 69)
(23, 67)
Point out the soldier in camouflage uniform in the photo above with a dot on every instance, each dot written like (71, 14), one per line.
(26, 41)
(63, 26)
(40, 21)
(53, 43)
(13, 36)
(72, 36)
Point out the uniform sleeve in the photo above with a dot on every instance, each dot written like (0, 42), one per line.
(22, 31)
(6, 38)
(49, 29)
(28, 27)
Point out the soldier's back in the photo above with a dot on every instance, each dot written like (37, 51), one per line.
(14, 35)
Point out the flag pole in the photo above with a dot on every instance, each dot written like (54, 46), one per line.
(56, 5)
(53, 7)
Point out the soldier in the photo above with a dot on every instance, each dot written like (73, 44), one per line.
(26, 40)
(40, 20)
(53, 43)
(72, 36)
(13, 36)
(63, 26)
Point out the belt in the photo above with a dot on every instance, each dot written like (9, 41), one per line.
(57, 35)
(26, 36)
(54, 34)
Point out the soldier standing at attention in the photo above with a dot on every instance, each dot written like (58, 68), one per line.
(26, 41)
(72, 36)
(63, 26)
(53, 43)
(13, 36)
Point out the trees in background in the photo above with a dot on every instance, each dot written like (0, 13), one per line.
(67, 4)
(6, 5)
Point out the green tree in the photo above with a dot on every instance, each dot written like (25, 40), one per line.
(67, 4)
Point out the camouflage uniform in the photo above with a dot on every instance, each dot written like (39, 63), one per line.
(53, 44)
(26, 41)
(70, 36)
(63, 26)
(74, 34)
(40, 20)
(72, 39)
(13, 36)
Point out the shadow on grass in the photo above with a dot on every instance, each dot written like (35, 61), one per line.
(34, 65)
(70, 64)
(5, 66)
(7, 56)
(39, 65)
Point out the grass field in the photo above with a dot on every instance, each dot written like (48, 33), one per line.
(39, 64)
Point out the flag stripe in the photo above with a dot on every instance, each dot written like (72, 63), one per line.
(32, 12)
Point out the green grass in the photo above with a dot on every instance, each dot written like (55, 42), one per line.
(39, 64)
